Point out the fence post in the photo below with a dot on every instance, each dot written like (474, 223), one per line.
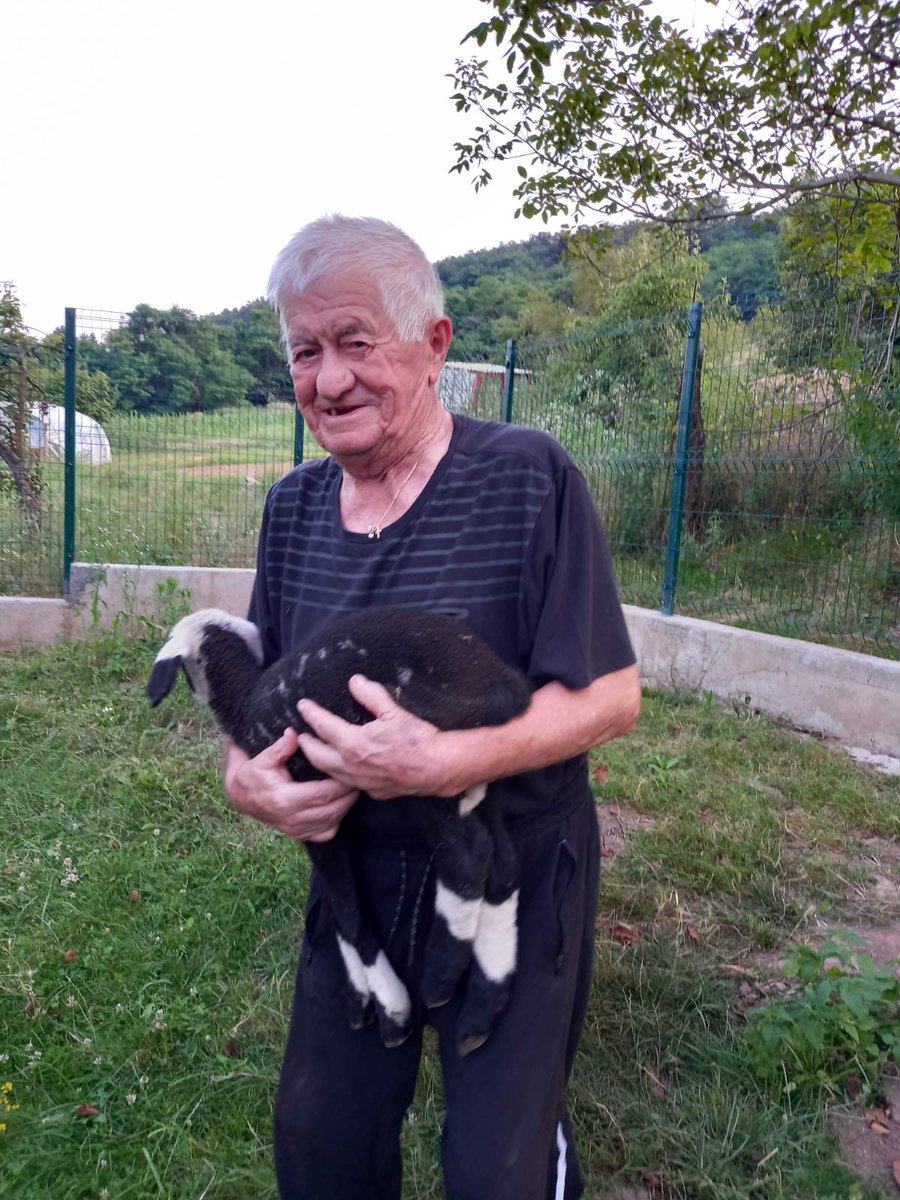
(69, 451)
(299, 427)
(682, 453)
(509, 381)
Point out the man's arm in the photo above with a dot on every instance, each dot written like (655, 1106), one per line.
(399, 754)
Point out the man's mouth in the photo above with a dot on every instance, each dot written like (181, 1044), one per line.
(342, 412)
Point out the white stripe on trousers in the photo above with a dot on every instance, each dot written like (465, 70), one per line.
(562, 1146)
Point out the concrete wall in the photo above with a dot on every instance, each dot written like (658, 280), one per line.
(837, 693)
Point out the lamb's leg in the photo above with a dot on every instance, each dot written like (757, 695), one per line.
(371, 978)
(462, 853)
(495, 949)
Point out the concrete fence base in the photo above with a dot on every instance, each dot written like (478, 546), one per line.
(835, 693)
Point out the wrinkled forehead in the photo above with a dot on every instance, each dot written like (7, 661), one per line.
(337, 304)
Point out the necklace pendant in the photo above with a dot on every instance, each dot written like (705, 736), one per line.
(374, 532)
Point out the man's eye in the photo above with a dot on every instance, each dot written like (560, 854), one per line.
(303, 354)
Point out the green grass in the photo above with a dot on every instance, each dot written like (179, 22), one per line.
(167, 1012)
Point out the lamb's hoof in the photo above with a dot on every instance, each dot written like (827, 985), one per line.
(393, 1032)
(359, 1011)
(465, 1045)
(440, 983)
(483, 1005)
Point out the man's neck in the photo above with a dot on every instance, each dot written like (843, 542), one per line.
(368, 489)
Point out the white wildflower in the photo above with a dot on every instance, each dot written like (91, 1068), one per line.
(71, 1002)
(131, 1097)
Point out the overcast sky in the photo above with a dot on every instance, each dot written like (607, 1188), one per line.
(165, 151)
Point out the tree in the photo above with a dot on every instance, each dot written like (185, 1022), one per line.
(253, 335)
(17, 396)
(170, 360)
(618, 111)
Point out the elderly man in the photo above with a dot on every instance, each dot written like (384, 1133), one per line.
(493, 523)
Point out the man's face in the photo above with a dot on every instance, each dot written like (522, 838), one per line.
(360, 389)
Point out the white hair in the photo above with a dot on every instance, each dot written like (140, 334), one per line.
(406, 280)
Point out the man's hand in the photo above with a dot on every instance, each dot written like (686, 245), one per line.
(397, 754)
(262, 788)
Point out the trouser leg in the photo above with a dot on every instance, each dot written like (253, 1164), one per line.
(507, 1135)
(343, 1094)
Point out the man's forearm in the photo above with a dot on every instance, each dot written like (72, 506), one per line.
(558, 724)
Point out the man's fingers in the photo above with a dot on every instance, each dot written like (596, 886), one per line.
(279, 752)
(324, 758)
(374, 697)
(323, 723)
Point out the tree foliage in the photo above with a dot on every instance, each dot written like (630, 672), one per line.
(618, 111)
(170, 360)
(17, 396)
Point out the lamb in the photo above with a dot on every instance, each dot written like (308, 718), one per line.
(439, 670)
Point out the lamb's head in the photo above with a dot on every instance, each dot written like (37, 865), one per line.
(210, 646)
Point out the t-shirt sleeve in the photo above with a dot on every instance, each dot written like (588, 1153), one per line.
(261, 600)
(572, 622)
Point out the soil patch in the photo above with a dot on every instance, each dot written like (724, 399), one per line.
(880, 942)
(617, 823)
(870, 1140)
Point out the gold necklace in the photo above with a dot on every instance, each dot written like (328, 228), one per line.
(374, 531)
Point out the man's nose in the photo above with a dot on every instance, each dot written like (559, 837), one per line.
(335, 378)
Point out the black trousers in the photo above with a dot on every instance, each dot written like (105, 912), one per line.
(343, 1096)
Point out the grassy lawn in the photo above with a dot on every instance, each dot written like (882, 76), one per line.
(151, 936)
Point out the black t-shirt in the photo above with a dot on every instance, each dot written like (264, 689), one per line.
(504, 535)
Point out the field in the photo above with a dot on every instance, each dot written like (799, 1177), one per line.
(151, 937)
(185, 489)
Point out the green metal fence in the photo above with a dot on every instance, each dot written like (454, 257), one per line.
(747, 471)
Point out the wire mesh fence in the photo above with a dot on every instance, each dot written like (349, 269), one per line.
(761, 487)
(790, 521)
(179, 487)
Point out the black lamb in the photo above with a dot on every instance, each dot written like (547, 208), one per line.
(438, 669)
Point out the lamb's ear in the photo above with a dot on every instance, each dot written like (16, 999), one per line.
(162, 678)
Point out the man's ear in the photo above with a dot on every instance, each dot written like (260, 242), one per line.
(162, 679)
(439, 341)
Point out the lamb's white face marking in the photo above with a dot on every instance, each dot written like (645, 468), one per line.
(186, 637)
(388, 989)
(356, 971)
(301, 665)
(282, 688)
(496, 940)
(346, 644)
(404, 675)
(461, 915)
(321, 654)
(472, 798)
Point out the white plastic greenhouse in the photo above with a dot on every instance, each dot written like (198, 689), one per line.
(46, 432)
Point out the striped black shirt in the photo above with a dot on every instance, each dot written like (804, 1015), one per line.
(504, 534)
